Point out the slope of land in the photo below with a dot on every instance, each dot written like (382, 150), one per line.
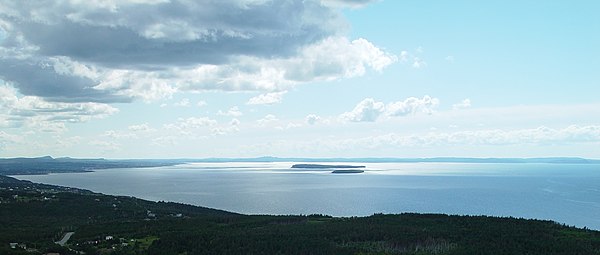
(34, 216)
(45, 165)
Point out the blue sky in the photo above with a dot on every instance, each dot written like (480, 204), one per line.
(328, 78)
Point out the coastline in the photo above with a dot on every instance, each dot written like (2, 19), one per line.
(248, 196)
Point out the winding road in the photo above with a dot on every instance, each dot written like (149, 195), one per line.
(65, 238)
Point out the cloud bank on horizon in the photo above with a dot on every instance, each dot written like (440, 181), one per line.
(89, 76)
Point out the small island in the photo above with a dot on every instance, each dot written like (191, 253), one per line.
(347, 171)
(319, 166)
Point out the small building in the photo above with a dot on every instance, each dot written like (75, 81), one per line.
(108, 238)
(13, 245)
(150, 214)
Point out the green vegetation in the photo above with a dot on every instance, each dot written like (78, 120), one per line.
(34, 216)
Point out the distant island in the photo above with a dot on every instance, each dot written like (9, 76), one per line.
(338, 169)
(347, 171)
(320, 166)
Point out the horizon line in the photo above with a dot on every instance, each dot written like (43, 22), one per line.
(281, 159)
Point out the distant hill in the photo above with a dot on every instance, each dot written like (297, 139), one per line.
(47, 164)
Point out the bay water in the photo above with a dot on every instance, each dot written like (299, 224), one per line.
(566, 193)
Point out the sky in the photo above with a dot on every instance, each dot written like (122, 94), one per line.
(293, 78)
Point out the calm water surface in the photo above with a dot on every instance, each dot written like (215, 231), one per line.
(561, 192)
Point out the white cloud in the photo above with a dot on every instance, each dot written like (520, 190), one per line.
(536, 136)
(194, 122)
(335, 58)
(201, 103)
(34, 112)
(292, 125)
(368, 110)
(141, 128)
(165, 140)
(404, 56)
(66, 142)
(41, 124)
(147, 86)
(118, 134)
(234, 126)
(183, 103)
(268, 119)
(412, 105)
(218, 131)
(66, 66)
(190, 125)
(269, 98)
(105, 146)
(465, 103)
(8, 139)
(331, 59)
(347, 3)
(312, 119)
(415, 59)
(232, 112)
(418, 63)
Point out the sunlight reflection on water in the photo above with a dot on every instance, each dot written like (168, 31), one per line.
(564, 193)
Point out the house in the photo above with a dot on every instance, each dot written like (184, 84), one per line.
(150, 214)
